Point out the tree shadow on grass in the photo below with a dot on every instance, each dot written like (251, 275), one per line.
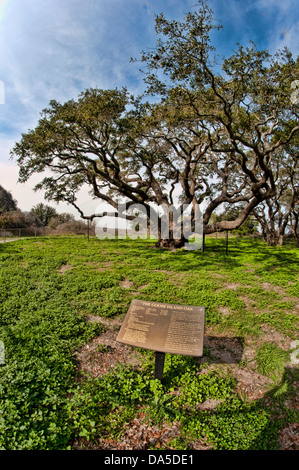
(217, 350)
(191, 261)
(259, 249)
(281, 404)
(268, 423)
(222, 350)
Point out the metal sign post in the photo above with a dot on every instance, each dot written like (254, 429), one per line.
(159, 365)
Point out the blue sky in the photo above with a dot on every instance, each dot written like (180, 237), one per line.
(54, 49)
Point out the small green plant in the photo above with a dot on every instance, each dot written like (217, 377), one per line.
(103, 348)
(161, 408)
(271, 359)
(196, 388)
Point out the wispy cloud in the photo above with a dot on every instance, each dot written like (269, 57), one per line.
(56, 48)
(271, 24)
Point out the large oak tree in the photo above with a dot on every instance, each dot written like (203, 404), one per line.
(211, 135)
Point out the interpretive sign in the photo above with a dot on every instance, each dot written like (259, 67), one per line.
(166, 328)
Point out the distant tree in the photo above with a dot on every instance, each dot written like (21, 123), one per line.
(44, 213)
(7, 202)
(31, 219)
(73, 226)
(12, 219)
(294, 224)
(61, 218)
(65, 217)
(280, 212)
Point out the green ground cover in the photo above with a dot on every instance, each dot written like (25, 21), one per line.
(240, 395)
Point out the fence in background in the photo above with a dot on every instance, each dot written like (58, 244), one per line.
(6, 233)
(216, 240)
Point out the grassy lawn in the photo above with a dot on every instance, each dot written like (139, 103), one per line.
(66, 383)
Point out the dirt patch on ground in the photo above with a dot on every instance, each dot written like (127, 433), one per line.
(224, 310)
(228, 286)
(270, 335)
(271, 287)
(126, 284)
(165, 271)
(208, 405)
(247, 301)
(250, 268)
(231, 285)
(139, 435)
(223, 349)
(105, 265)
(250, 384)
(104, 353)
(213, 274)
(289, 437)
(65, 268)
